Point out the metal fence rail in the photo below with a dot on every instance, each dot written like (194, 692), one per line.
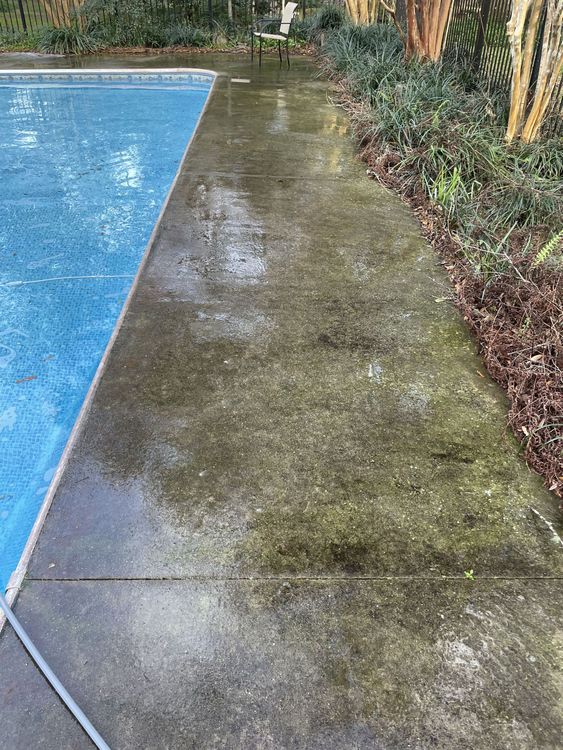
(477, 32)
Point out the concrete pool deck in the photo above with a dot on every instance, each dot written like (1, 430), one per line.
(293, 457)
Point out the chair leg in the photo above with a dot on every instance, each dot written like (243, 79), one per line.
(279, 52)
(260, 56)
(287, 51)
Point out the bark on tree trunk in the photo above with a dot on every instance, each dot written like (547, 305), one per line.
(550, 71)
(427, 21)
(522, 31)
(362, 11)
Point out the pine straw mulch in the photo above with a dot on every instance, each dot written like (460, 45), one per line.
(517, 318)
(304, 50)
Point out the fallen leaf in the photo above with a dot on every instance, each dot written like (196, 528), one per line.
(27, 379)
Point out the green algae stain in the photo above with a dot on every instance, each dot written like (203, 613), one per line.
(324, 414)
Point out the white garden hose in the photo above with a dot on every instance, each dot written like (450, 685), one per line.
(57, 685)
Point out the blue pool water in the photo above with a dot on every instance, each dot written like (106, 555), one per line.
(85, 165)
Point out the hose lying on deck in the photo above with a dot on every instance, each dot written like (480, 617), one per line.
(56, 684)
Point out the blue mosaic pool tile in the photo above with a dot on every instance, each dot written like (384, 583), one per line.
(86, 161)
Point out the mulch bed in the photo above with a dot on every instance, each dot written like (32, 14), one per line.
(301, 51)
(517, 318)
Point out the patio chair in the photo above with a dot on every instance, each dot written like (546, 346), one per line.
(281, 36)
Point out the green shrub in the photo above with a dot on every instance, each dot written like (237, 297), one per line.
(66, 40)
(14, 41)
(124, 34)
(123, 24)
(326, 18)
(144, 35)
(183, 35)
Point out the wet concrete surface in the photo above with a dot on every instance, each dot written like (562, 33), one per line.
(294, 664)
(292, 458)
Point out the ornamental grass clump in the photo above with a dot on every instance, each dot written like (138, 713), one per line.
(67, 40)
(327, 18)
(444, 132)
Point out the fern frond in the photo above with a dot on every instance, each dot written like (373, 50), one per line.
(548, 249)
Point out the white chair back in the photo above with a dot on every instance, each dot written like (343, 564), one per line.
(287, 17)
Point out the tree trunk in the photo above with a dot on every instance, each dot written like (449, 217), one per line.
(551, 69)
(362, 11)
(427, 21)
(413, 46)
(522, 31)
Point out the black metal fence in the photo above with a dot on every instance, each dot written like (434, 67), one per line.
(22, 15)
(477, 30)
(28, 15)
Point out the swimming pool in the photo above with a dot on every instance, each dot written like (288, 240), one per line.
(86, 162)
